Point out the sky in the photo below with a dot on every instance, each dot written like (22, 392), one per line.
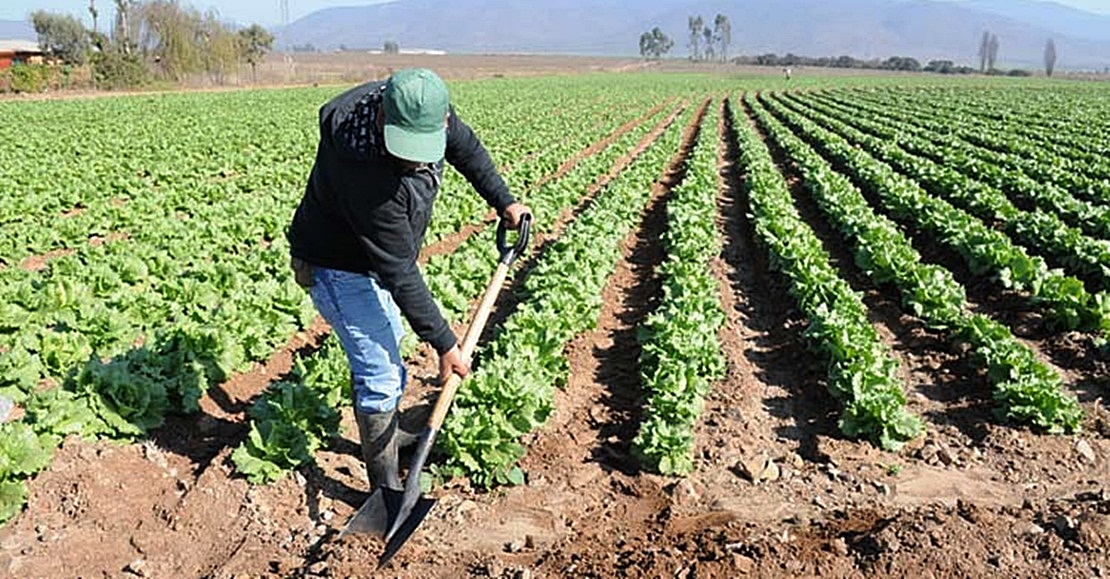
(268, 12)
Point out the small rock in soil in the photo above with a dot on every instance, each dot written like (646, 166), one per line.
(742, 564)
(945, 455)
(684, 493)
(136, 567)
(755, 467)
(1083, 448)
(839, 546)
(770, 472)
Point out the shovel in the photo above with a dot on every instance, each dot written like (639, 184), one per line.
(393, 514)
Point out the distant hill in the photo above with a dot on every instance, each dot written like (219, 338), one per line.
(1049, 16)
(922, 29)
(16, 30)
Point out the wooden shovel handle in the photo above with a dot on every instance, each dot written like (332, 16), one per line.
(470, 341)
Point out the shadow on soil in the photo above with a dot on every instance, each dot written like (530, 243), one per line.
(779, 355)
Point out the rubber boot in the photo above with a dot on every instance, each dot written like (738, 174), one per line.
(379, 449)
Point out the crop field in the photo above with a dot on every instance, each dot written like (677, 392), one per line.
(835, 327)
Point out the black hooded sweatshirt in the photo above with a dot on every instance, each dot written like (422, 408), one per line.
(363, 213)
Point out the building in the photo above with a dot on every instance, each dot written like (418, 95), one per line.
(18, 52)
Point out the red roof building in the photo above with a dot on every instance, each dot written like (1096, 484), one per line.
(19, 51)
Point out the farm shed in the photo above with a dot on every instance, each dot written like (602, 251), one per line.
(19, 51)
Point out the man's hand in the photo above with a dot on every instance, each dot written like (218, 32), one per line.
(514, 214)
(451, 362)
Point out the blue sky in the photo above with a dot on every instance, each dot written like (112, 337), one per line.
(269, 12)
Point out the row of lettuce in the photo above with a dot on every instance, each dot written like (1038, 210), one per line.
(681, 356)
(1025, 389)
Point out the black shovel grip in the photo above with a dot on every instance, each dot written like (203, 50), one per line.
(509, 253)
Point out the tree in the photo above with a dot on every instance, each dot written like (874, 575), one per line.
(901, 63)
(171, 36)
(709, 42)
(984, 50)
(94, 14)
(391, 47)
(61, 35)
(254, 42)
(218, 46)
(940, 66)
(722, 29)
(1049, 57)
(696, 25)
(123, 33)
(655, 44)
(992, 52)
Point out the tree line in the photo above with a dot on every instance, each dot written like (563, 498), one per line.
(712, 43)
(151, 39)
(706, 43)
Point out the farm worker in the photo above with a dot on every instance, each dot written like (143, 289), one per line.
(359, 228)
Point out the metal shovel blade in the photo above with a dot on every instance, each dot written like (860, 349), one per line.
(377, 514)
(405, 529)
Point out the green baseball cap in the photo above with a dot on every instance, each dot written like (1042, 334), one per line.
(415, 104)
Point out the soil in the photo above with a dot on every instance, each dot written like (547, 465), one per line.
(777, 491)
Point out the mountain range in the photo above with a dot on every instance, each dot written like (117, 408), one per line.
(923, 29)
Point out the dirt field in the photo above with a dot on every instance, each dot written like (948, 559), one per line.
(777, 492)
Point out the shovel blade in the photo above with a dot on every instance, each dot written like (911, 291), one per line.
(402, 533)
(377, 514)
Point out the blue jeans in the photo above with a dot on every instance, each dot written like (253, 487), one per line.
(367, 322)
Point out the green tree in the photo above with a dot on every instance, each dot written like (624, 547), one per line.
(171, 36)
(254, 42)
(219, 48)
(655, 44)
(62, 36)
(390, 47)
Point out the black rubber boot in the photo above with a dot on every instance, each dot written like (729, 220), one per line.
(379, 449)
